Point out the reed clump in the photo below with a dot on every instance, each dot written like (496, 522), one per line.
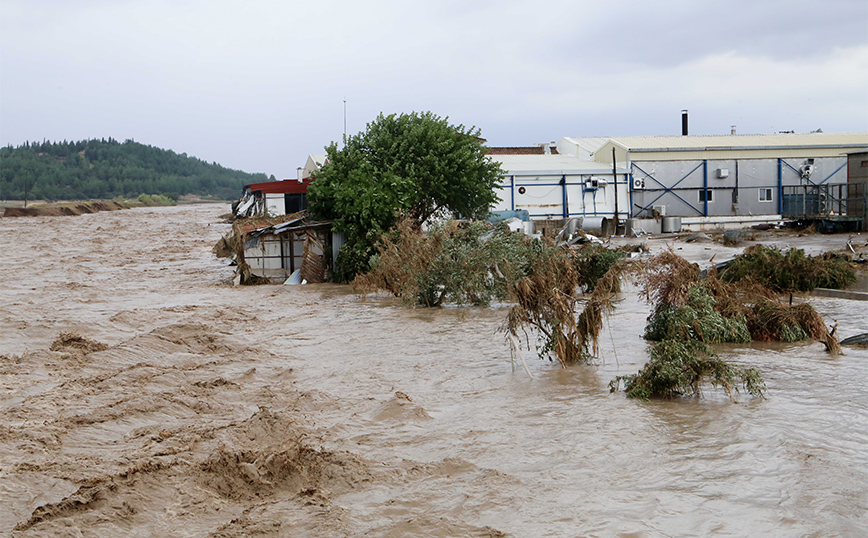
(714, 310)
(548, 297)
(477, 263)
(680, 367)
(696, 319)
(790, 270)
(546, 302)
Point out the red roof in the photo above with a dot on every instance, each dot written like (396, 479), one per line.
(280, 187)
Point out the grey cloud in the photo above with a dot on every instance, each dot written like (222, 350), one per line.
(258, 85)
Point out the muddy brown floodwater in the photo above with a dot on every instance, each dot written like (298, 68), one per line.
(305, 411)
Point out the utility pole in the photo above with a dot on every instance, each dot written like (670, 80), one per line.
(615, 178)
(345, 121)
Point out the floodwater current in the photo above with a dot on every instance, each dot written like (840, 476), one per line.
(309, 411)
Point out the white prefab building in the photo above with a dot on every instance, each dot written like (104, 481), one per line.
(551, 186)
(720, 177)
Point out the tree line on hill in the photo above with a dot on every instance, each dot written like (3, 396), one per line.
(104, 169)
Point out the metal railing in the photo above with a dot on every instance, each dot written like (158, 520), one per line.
(845, 201)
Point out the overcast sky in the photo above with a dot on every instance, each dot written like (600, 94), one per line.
(259, 85)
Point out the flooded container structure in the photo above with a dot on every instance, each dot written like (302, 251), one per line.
(276, 252)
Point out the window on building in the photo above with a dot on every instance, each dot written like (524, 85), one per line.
(706, 195)
(766, 194)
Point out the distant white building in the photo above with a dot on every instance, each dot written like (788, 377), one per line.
(721, 175)
(703, 179)
(553, 186)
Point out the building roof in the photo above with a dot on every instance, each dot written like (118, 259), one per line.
(317, 159)
(550, 165)
(520, 150)
(283, 186)
(587, 144)
(725, 142)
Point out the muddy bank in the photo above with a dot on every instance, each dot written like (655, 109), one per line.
(65, 209)
(142, 394)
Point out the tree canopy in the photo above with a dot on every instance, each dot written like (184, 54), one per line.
(101, 168)
(409, 165)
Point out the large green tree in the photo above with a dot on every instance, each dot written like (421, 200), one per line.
(409, 165)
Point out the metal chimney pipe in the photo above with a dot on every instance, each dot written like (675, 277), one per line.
(732, 130)
(683, 123)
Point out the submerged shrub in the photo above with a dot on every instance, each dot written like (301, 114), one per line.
(679, 368)
(477, 263)
(689, 314)
(769, 319)
(594, 261)
(546, 302)
(789, 271)
(714, 311)
(548, 297)
(469, 263)
(687, 317)
(696, 320)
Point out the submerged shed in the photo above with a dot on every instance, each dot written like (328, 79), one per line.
(276, 252)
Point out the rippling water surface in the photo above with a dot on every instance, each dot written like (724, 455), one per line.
(278, 411)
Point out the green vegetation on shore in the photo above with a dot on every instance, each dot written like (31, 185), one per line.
(106, 169)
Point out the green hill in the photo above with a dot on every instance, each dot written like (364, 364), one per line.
(104, 169)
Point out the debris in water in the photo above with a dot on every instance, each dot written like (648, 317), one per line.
(858, 340)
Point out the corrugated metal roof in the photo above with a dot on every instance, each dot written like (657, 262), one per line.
(589, 144)
(550, 165)
(294, 224)
(726, 142)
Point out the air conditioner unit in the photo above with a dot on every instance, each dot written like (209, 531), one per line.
(638, 184)
(659, 209)
(807, 168)
(595, 183)
(722, 173)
